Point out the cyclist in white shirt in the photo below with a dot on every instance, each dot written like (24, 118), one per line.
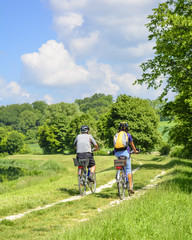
(83, 144)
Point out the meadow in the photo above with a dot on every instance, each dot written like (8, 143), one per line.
(160, 212)
(165, 125)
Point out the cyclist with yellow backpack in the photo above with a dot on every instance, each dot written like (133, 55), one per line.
(121, 148)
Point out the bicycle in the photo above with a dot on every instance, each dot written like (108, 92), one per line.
(121, 178)
(83, 174)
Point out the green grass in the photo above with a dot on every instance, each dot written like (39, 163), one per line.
(165, 125)
(35, 149)
(161, 213)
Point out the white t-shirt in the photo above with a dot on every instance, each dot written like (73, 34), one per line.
(83, 142)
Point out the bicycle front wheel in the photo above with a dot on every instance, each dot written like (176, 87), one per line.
(82, 181)
(121, 184)
(92, 185)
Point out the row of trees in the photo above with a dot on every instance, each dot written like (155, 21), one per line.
(63, 122)
(24, 118)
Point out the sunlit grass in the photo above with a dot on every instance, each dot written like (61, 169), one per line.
(165, 125)
(161, 213)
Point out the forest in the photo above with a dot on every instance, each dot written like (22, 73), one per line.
(54, 127)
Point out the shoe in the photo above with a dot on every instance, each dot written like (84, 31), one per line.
(91, 177)
(131, 191)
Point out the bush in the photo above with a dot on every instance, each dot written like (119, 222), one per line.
(26, 149)
(15, 142)
(51, 165)
(165, 149)
(181, 152)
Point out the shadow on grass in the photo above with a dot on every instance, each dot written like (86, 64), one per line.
(181, 179)
(70, 191)
(158, 159)
(183, 184)
(107, 195)
(181, 174)
(113, 168)
(172, 163)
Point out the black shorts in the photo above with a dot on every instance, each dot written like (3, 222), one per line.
(89, 156)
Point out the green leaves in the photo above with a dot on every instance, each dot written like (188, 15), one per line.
(171, 27)
(141, 117)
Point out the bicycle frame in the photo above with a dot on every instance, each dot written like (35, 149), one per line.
(121, 179)
(84, 182)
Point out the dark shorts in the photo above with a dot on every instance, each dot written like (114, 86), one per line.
(87, 155)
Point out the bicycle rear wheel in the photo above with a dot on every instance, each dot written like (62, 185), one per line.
(82, 182)
(128, 188)
(93, 184)
(121, 184)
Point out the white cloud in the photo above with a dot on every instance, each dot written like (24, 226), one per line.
(53, 66)
(2, 82)
(15, 89)
(12, 92)
(61, 5)
(126, 81)
(68, 21)
(107, 25)
(128, 2)
(143, 49)
(83, 45)
(48, 99)
(102, 78)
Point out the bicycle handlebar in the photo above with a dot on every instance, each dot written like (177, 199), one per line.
(138, 150)
(93, 149)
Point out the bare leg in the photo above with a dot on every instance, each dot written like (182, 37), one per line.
(130, 180)
(92, 169)
(130, 183)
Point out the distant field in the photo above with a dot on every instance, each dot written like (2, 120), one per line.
(35, 148)
(163, 125)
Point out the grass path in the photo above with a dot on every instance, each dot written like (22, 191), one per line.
(99, 189)
(152, 211)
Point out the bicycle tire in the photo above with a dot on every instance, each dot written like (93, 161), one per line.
(93, 184)
(81, 182)
(121, 184)
(128, 188)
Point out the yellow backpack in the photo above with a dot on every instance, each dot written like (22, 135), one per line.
(120, 141)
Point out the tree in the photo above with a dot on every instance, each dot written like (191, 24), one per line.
(52, 133)
(15, 142)
(40, 105)
(74, 129)
(141, 117)
(95, 105)
(27, 121)
(48, 139)
(23, 117)
(171, 28)
(11, 141)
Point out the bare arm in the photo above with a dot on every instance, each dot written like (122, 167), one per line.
(133, 147)
(96, 147)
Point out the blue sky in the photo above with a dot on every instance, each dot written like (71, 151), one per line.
(62, 50)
